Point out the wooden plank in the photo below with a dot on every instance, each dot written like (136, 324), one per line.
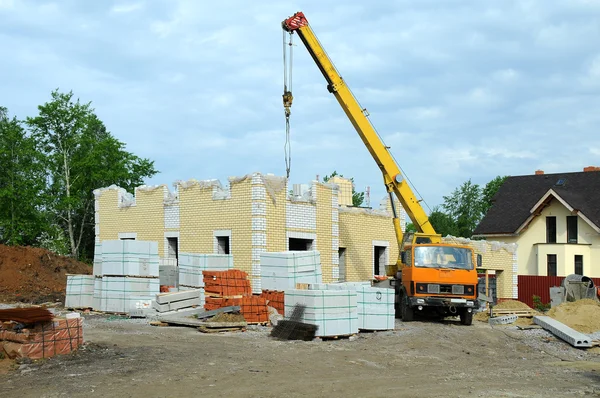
(204, 329)
(185, 320)
(224, 324)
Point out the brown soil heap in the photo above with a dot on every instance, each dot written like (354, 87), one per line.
(34, 275)
(581, 315)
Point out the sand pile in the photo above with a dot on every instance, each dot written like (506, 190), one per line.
(507, 305)
(581, 315)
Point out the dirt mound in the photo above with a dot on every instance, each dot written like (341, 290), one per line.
(34, 275)
(581, 315)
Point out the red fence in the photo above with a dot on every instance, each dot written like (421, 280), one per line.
(531, 285)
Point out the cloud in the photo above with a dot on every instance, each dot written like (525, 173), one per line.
(126, 8)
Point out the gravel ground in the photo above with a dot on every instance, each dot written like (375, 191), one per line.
(130, 358)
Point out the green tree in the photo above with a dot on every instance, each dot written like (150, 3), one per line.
(465, 208)
(357, 197)
(489, 191)
(410, 227)
(22, 182)
(442, 222)
(81, 155)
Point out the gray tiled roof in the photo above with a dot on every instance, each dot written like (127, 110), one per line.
(516, 197)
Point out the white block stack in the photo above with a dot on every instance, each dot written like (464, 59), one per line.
(130, 258)
(333, 311)
(375, 308)
(191, 266)
(80, 291)
(121, 293)
(129, 275)
(282, 270)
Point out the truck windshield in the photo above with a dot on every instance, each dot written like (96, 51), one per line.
(443, 257)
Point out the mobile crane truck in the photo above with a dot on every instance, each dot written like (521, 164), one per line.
(430, 276)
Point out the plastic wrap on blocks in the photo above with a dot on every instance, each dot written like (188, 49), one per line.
(335, 312)
(80, 291)
(375, 308)
(129, 257)
(191, 266)
(283, 270)
(120, 294)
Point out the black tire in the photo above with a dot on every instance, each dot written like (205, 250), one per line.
(408, 314)
(466, 317)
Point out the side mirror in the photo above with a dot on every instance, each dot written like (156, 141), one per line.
(403, 257)
(479, 260)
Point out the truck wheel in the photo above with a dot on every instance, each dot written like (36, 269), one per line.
(466, 317)
(407, 311)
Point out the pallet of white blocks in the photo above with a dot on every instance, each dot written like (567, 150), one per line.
(97, 268)
(283, 270)
(178, 300)
(80, 291)
(121, 294)
(375, 308)
(191, 266)
(333, 311)
(168, 272)
(130, 258)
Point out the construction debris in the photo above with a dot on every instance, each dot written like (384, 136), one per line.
(28, 315)
(559, 329)
(35, 336)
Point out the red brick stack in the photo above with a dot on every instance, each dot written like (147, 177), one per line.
(232, 288)
(275, 299)
(42, 340)
(228, 283)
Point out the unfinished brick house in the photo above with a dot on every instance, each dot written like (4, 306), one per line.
(258, 213)
(255, 213)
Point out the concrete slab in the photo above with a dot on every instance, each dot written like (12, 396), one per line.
(571, 336)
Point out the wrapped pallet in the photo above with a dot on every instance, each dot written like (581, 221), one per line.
(375, 308)
(283, 270)
(130, 258)
(121, 294)
(80, 291)
(191, 266)
(333, 311)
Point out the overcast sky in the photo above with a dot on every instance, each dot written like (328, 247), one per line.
(459, 89)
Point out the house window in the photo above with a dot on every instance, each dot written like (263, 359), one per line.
(551, 229)
(379, 260)
(571, 229)
(551, 262)
(579, 264)
(299, 244)
(172, 251)
(342, 264)
(222, 244)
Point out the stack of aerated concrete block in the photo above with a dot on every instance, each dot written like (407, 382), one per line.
(80, 291)
(283, 270)
(128, 277)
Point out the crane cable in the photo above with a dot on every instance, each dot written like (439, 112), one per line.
(287, 99)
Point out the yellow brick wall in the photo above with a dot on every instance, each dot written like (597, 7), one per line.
(276, 213)
(200, 215)
(324, 232)
(358, 229)
(146, 217)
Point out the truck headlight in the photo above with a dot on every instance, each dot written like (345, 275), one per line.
(470, 303)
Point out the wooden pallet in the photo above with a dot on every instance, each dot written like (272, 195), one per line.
(216, 295)
(519, 313)
(266, 323)
(217, 327)
(338, 337)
